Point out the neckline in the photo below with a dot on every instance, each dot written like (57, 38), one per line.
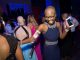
(51, 26)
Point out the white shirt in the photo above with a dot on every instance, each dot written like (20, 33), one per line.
(75, 22)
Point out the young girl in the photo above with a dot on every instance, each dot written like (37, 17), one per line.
(33, 26)
(23, 32)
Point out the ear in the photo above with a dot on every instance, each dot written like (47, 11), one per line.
(55, 15)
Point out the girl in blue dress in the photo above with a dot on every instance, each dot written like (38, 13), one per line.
(23, 32)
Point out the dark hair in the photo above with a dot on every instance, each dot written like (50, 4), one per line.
(1, 27)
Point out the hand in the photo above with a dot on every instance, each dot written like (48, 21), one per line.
(66, 26)
(31, 39)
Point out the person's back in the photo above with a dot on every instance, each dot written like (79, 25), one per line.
(9, 49)
(4, 48)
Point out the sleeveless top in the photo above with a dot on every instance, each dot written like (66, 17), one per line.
(52, 34)
(22, 32)
(12, 41)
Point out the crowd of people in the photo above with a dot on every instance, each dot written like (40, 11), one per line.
(22, 40)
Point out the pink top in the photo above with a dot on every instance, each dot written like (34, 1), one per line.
(33, 29)
(37, 49)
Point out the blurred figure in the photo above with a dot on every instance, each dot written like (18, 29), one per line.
(8, 28)
(74, 21)
(23, 32)
(21, 29)
(33, 26)
(68, 42)
(2, 30)
(9, 49)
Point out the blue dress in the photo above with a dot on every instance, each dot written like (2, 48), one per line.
(26, 49)
(51, 50)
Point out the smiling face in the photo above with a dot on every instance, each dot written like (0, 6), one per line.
(50, 15)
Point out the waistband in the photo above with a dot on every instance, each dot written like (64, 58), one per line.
(51, 43)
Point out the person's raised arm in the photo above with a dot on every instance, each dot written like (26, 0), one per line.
(64, 32)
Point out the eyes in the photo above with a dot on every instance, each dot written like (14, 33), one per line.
(47, 17)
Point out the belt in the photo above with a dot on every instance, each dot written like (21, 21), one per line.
(51, 43)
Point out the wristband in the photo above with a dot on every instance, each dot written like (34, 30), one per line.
(36, 34)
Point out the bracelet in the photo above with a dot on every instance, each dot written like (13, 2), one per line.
(36, 34)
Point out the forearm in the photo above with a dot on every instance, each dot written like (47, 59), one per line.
(63, 35)
(34, 37)
(19, 54)
(64, 31)
(28, 40)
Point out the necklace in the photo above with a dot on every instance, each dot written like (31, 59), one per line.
(51, 26)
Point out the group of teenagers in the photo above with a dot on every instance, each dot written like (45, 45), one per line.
(24, 43)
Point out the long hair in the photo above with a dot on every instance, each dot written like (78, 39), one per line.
(31, 17)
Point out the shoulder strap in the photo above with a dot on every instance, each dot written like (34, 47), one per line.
(16, 30)
(25, 32)
(23, 29)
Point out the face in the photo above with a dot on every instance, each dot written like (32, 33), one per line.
(50, 15)
(31, 20)
(21, 20)
(64, 16)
